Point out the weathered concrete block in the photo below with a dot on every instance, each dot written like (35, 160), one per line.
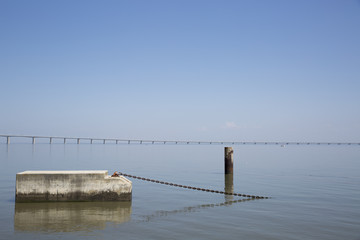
(35, 186)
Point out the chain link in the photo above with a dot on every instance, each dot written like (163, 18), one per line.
(192, 188)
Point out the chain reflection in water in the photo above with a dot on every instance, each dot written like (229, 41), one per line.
(191, 209)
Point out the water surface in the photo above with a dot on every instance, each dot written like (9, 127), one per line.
(314, 193)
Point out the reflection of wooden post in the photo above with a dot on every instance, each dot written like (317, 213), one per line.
(228, 158)
(229, 186)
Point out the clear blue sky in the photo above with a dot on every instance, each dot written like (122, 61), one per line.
(199, 69)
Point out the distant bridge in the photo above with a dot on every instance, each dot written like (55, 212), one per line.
(79, 140)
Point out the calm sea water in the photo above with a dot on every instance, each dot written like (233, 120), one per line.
(314, 190)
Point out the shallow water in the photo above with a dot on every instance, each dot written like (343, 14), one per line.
(314, 193)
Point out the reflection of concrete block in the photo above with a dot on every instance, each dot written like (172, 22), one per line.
(69, 216)
(34, 186)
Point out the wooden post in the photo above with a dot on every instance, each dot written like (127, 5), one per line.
(78, 140)
(50, 140)
(104, 141)
(8, 140)
(91, 141)
(229, 161)
(64, 140)
(33, 140)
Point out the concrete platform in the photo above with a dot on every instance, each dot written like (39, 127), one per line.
(62, 186)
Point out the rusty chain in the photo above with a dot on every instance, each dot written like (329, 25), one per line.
(189, 187)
